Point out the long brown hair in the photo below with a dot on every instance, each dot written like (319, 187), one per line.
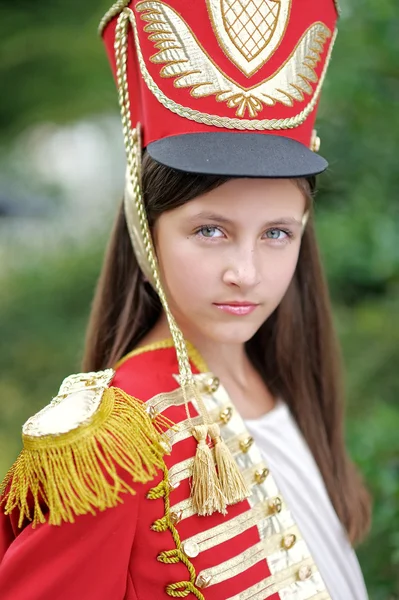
(295, 350)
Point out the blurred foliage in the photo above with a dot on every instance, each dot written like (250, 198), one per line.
(43, 314)
(54, 69)
(53, 65)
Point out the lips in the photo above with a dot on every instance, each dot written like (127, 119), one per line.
(236, 303)
(236, 308)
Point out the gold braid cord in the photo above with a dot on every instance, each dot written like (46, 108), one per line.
(115, 10)
(180, 589)
(208, 496)
(133, 150)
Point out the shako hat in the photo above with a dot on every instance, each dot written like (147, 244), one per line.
(227, 87)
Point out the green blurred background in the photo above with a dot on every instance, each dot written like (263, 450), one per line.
(61, 177)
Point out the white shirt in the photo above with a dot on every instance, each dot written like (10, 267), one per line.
(290, 461)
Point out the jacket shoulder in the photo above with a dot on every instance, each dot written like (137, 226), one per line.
(79, 399)
(91, 444)
(149, 370)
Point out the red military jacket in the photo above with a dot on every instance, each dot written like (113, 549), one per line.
(113, 531)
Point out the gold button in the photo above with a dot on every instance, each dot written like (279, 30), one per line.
(275, 505)
(246, 443)
(191, 549)
(211, 384)
(176, 516)
(203, 581)
(304, 573)
(288, 541)
(226, 414)
(260, 475)
(151, 412)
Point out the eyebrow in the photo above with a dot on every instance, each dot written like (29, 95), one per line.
(225, 221)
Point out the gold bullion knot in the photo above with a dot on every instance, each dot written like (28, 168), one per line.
(158, 491)
(170, 556)
(232, 482)
(180, 589)
(160, 524)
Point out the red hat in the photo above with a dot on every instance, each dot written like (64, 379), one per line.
(226, 87)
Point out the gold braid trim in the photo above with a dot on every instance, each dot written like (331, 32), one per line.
(181, 589)
(193, 354)
(77, 472)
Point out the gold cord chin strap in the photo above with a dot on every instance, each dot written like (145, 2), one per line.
(211, 491)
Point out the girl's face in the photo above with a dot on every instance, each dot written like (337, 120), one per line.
(227, 257)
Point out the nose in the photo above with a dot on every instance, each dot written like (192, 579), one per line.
(242, 269)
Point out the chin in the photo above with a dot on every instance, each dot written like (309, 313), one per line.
(228, 334)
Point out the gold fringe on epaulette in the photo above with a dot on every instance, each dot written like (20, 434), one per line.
(56, 478)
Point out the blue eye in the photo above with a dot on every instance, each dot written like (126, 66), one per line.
(208, 231)
(275, 234)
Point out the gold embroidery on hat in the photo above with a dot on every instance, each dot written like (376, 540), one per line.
(119, 5)
(227, 122)
(191, 67)
(249, 31)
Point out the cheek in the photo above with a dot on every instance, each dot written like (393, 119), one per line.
(279, 271)
(185, 274)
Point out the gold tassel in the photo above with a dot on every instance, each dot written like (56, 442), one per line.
(205, 492)
(88, 468)
(232, 483)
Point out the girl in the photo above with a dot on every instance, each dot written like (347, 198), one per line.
(202, 453)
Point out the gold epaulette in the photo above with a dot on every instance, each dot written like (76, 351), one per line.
(82, 451)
